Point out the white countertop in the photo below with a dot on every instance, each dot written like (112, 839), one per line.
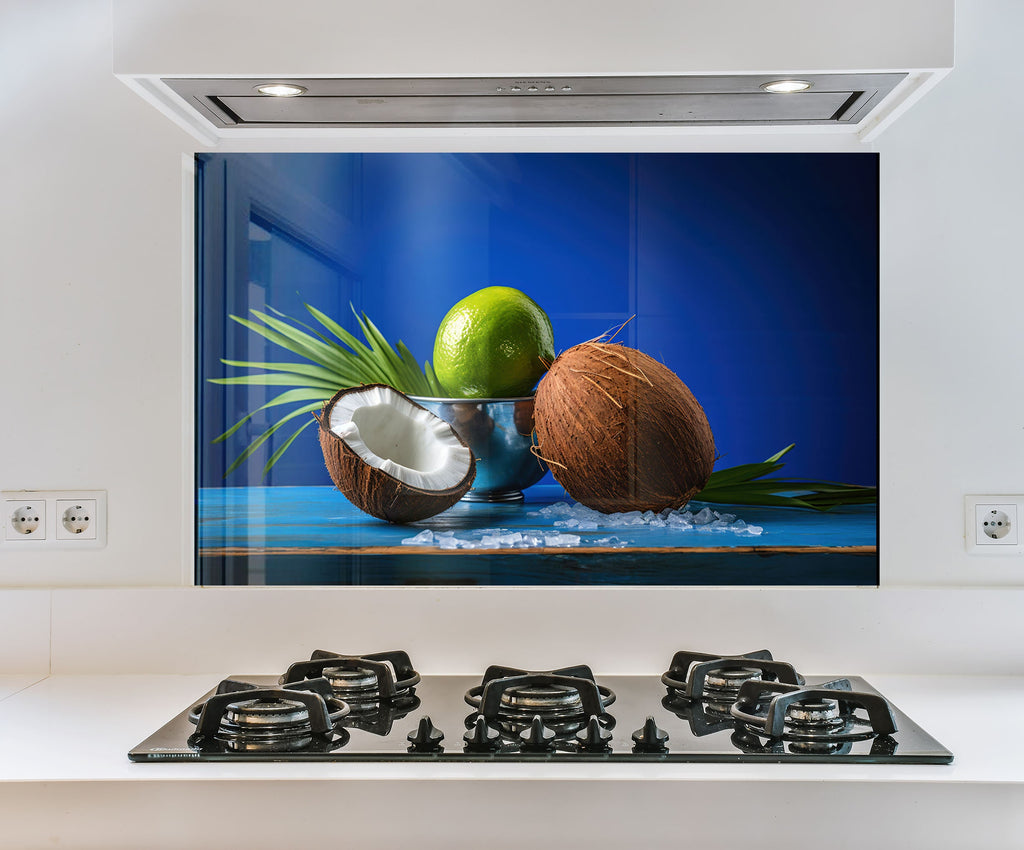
(12, 684)
(64, 741)
(102, 717)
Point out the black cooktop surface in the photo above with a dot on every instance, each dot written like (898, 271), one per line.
(625, 718)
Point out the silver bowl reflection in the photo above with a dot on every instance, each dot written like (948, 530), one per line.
(499, 431)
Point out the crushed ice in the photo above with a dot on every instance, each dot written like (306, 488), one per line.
(498, 538)
(582, 518)
(568, 519)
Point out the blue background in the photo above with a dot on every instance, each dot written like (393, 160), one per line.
(753, 276)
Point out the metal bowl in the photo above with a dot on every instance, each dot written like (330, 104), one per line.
(499, 431)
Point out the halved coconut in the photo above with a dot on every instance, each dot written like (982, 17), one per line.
(392, 458)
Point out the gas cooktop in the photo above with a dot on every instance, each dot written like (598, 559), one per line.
(704, 708)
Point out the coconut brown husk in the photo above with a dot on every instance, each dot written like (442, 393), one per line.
(372, 490)
(620, 431)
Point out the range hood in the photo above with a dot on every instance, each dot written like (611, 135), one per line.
(536, 101)
(399, 65)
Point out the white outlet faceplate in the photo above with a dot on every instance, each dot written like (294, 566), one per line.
(54, 519)
(76, 519)
(24, 520)
(991, 525)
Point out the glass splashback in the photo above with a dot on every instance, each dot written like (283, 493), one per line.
(751, 277)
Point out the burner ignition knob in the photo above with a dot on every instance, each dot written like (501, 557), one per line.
(427, 737)
(594, 738)
(481, 737)
(650, 739)
(538, 737)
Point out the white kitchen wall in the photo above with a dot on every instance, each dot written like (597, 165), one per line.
(447, 630)
(952, 306)
(94, 386)
(24, 634)
(90, 317)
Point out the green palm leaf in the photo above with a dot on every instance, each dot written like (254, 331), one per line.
(434, 384)
(289, 397)
(303, 344)
(262, 438)
(362, 365)
(284, 446)
(271, 379)
(746, 485)
(381, 350)
(330, 358)
(317, 372)
(343, 335)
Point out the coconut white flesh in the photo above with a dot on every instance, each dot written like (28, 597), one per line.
(407, 442)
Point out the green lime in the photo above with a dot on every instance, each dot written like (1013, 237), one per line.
(495, 343)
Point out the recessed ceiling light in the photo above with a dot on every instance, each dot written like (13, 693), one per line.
(280, 89)
(786, 86)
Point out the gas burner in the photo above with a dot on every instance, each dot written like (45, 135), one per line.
(366, 682)
(552, 700)
(563, 699)
(815, 716)
(812, 718)
(243, 717)
(717, 679)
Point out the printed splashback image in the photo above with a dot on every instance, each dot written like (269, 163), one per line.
(537, 369)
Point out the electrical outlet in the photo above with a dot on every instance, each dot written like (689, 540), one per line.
(995, 525)
(25, 520)
(54, 519)
(76, 519)
(991, 525)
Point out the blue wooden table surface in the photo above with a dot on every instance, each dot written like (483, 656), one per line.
(285, 535)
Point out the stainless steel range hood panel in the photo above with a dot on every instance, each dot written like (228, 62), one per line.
(549, 102)
(550, 111)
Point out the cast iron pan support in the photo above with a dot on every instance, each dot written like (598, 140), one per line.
(773, 721)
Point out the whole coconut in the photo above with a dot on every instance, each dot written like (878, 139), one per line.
(620, 431)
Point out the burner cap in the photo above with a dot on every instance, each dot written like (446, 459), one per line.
(816, 720)
(563, 698)
(546, 700)
(380, 677)
(346, 681)
(729, 678)
(813, 713)
(700, 675)
(266, 714)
